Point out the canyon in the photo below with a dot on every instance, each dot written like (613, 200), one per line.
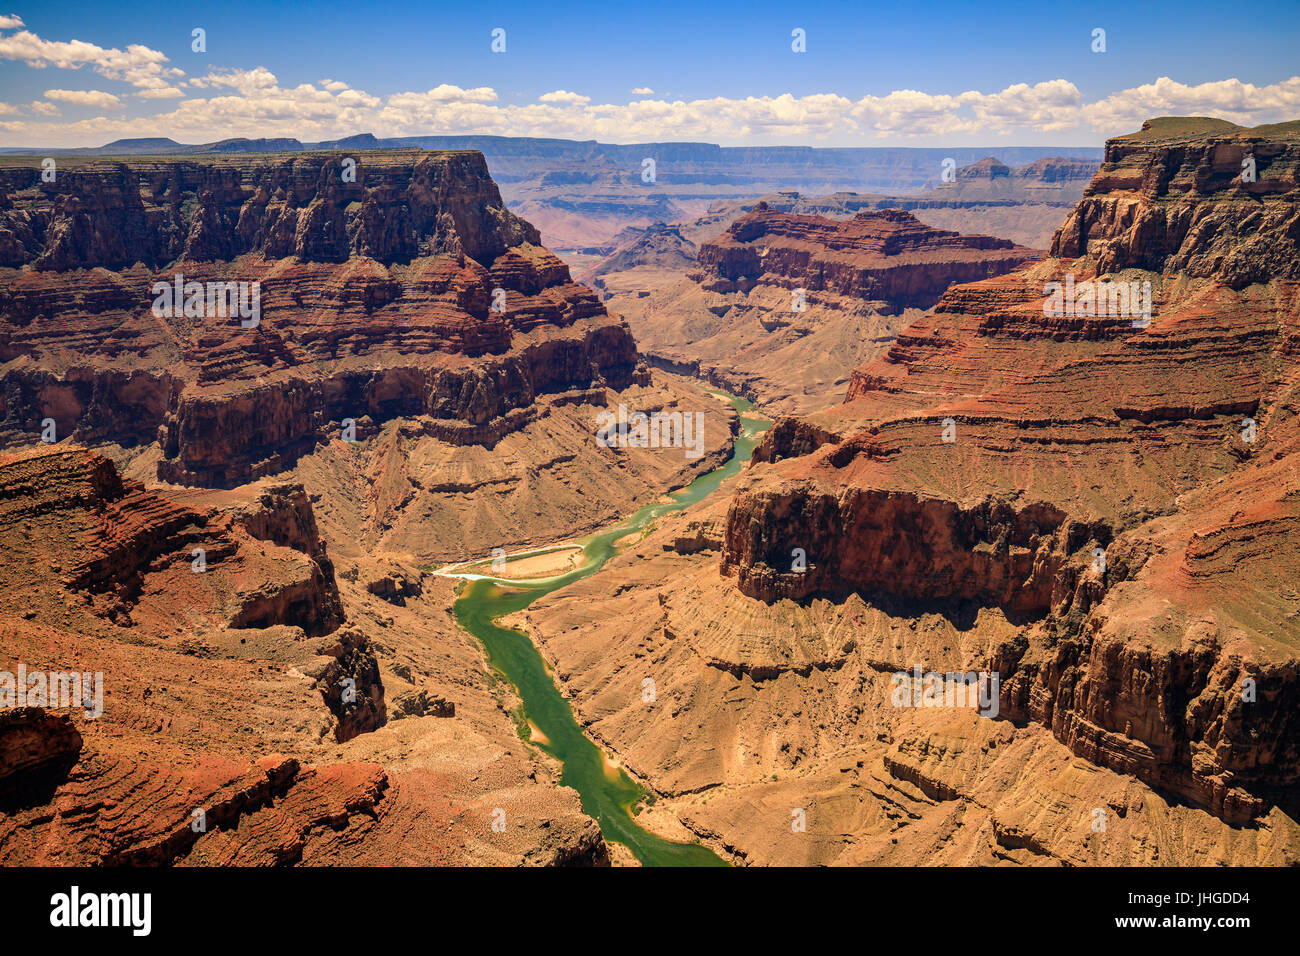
(1099, 511)
(582, 194)
(247, 528)
(734, 331)
(234, 522)
(783, 306)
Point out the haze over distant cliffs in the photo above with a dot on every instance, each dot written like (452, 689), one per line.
(781, 306)
(580, 194)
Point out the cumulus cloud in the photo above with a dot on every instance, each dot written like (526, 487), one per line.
(1047, 107)
(564, 96)
(95, 98)
(1231, 99)
(161, 93)
(910, 113)
(445, 93)
(248, 82)
(137, 65)
(252, 102)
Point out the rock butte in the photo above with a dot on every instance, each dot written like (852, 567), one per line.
(377, 301)
(735, 320)
(1080, 433)
(886, 256)
(1160, 688)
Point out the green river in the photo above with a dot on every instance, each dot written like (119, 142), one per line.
(607, 795)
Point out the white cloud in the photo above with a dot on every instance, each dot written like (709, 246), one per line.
(251, 102)
(247, 82)
(137, 65)
(445, 93)
(564, 96)
(1231, 99)
(95, 98)
(1047, 107)
(161, 93)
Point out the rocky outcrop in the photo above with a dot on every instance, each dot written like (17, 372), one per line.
(420, 703)
(313, 207)
(920, 547)
(1052, 179)
(121, 544)
(122, 812)
(394, 285)
(395, 583)
(791, 438)
(1217, 207)
(886, 256)
(118, 534)
(347, 675)
(783, 306)
(1119, 490)
(659, 247)
(228, 689)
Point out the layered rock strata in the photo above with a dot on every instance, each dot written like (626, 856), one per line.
(238, 718)
(888, 256)
(783, 306)
(1098, 507)
(389, 284)
(1011, 457)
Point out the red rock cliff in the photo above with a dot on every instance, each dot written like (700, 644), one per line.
(378, 298)
(1090, 478)
(886, 256)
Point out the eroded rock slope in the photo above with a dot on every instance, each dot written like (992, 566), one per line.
(1097, 507)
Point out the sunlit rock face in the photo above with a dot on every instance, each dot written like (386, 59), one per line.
(885, 256)
(366, 288)
(1123, 487)
(180, 520)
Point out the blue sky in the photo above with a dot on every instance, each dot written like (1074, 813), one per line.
(873, 74)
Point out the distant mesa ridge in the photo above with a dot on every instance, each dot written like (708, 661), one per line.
(802, 167)
(582, 193)
(887, 256)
